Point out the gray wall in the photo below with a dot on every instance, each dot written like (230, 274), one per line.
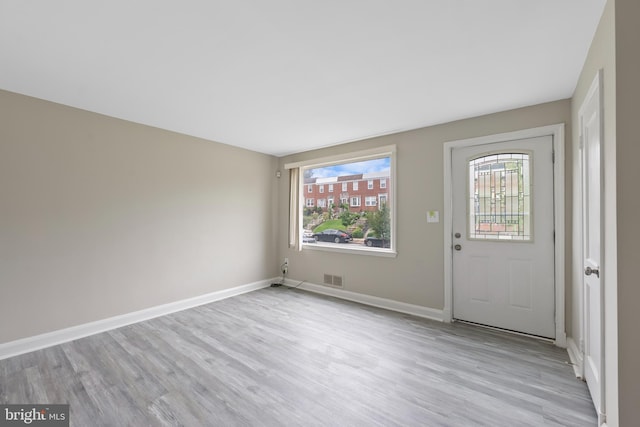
(416, 276)
(100, 217)
(627, 33)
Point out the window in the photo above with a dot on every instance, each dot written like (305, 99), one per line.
(500, 197)
(309, 188)
(371, 215)
(383, 183)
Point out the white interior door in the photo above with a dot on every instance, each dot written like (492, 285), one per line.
(593, 290)
(503, 237)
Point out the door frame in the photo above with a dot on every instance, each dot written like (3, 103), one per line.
(595, 92)
(557, 133)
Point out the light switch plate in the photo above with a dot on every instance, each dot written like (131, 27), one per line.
(433, 216)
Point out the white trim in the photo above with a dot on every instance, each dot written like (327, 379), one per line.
(351, 249)
(557, 133)
(596, 91)
(401, 307)
(37, 342)
(576, 357)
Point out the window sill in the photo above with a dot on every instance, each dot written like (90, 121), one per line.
(379, 252)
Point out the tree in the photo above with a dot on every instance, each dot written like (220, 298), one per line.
(348, 218)
(380, 222)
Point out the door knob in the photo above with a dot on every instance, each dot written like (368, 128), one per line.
(589, 271)
(457, 247)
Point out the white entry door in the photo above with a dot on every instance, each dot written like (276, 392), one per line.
(591, 139)
(503, 237)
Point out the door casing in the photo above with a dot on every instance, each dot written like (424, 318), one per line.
(557, 133)
(595, 94)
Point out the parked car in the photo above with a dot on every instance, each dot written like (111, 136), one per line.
(331, 235)
(377, 242)
(307, 237)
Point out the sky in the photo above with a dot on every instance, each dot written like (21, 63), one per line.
(368, 166)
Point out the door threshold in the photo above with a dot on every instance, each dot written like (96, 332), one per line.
(509, 331)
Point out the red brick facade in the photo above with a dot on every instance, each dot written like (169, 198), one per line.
(363, 192)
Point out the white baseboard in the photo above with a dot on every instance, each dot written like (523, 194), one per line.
(37, 342)
(402, 307)
(576, 357)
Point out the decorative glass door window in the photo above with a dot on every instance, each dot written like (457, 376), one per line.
(499, 194)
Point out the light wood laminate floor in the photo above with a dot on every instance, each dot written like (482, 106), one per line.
(281, 357)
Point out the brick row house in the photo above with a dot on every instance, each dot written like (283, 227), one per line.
(362, 192)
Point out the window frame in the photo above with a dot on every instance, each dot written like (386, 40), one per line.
(353, 157)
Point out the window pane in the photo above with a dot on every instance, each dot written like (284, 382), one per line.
(500, 197)
(361, 212)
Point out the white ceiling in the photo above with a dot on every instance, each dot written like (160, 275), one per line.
(284, 76)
